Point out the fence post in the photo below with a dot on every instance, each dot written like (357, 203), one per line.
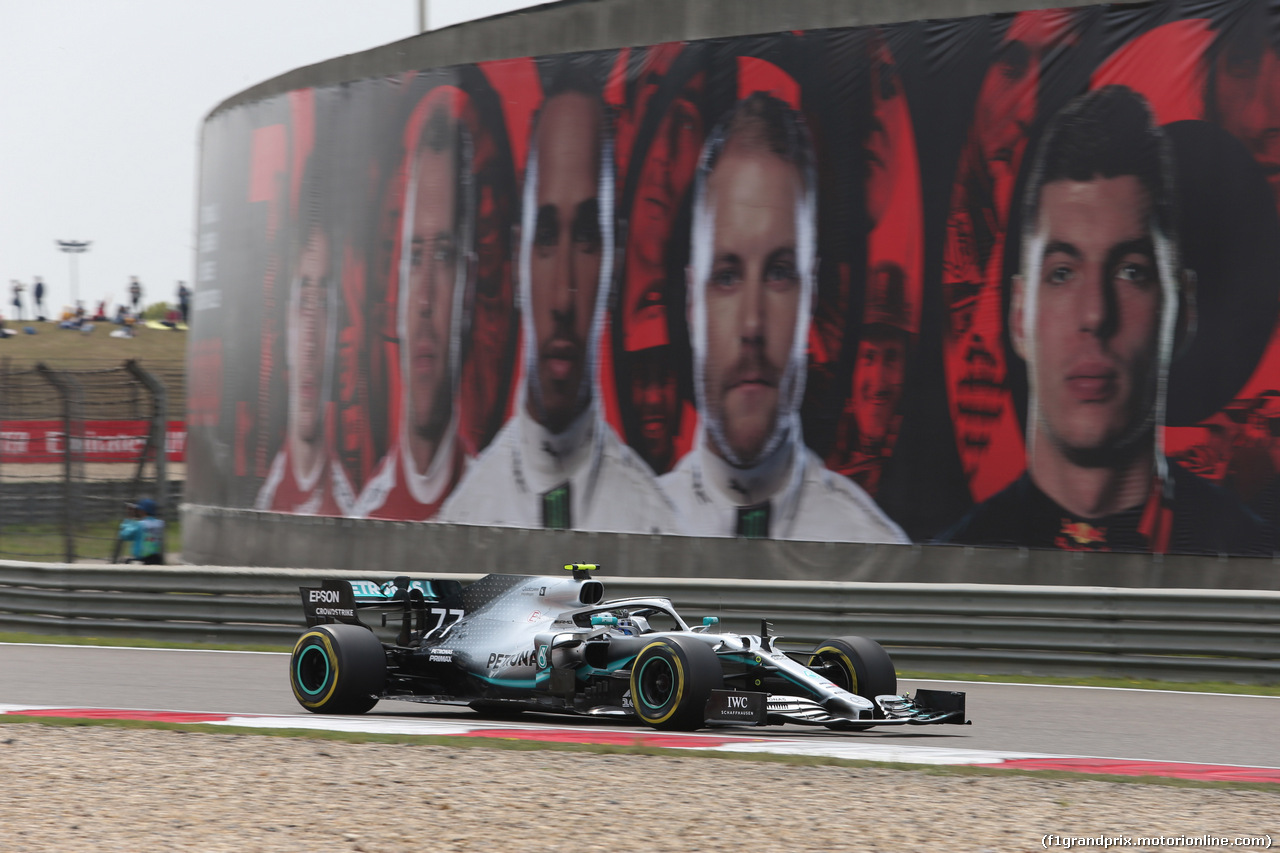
(5, 393)
(159, 434)
(63, 385)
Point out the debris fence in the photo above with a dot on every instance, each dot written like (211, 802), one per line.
(77, 445)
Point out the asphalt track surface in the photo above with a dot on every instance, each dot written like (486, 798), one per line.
(1111, 723)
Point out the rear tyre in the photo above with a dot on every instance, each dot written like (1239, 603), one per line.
(860, 666)
(671, 681)
(338, 669)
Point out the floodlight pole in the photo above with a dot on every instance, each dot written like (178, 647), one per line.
(73, 248)
(422, 15)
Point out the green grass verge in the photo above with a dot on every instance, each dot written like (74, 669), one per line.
(516, 745)
(65, 348)
(126, 642)
(93, 541)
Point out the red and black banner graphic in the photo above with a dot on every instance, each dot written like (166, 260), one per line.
(1008, 280)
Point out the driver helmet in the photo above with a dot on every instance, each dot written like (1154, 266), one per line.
(633, 625)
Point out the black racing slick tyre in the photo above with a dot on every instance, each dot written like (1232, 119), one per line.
(338, 669)
(671, 681)
(858, 665)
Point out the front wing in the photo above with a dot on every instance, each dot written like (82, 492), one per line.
(927, 707)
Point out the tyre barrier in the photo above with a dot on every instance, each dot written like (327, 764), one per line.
(1174, 634)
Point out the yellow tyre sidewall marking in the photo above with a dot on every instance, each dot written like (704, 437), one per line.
(333, 662)
(637, 700)
(832, 650)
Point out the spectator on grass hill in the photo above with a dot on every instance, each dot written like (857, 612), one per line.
(38, 293)
(74, 319)
(17, 288)
(184, 301)
(135, 293)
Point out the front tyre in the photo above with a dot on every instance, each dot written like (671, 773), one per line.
(671, 681)
(338, 669)
(858, 665)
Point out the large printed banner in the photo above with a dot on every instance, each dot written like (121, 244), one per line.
(1009, 280)
(45, 441)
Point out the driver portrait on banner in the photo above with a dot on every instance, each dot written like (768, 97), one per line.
(304, 479)
(750, 293)
(987, 434)
(433, 283)
(887, 335)
(666, 124)
(556, 463)
(1101, 304)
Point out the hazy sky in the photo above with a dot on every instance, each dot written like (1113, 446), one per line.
(101, 110)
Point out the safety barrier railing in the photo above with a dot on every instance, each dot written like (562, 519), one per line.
(1174, 634)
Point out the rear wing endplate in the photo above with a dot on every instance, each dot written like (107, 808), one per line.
(341, 600)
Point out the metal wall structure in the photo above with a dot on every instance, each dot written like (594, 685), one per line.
(603, 24)
(1179, 635)
(232, 537)
(48, 508)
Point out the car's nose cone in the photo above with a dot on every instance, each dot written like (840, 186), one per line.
(851, 708)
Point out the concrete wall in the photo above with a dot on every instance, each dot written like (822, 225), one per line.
(215, 536)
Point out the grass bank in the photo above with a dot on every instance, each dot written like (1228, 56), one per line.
(93, 541)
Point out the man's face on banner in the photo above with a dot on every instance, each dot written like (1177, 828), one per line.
(879, 373)
(1005, 112)
(493, 217)
(889, 118)
(1266, 418)
(666, 172)
(310, 322)
(433, 273)
(975, 364)
(1093, 360)
(655, 398)
(1247, 94)
(974, 349)
(665, 176)
(564, 264)
(752, 295)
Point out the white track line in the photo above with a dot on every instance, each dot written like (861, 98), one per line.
(709, 740)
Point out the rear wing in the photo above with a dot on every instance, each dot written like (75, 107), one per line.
(332, 601)
(420, 606)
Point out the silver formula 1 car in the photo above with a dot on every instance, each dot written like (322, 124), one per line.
(511, 643)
